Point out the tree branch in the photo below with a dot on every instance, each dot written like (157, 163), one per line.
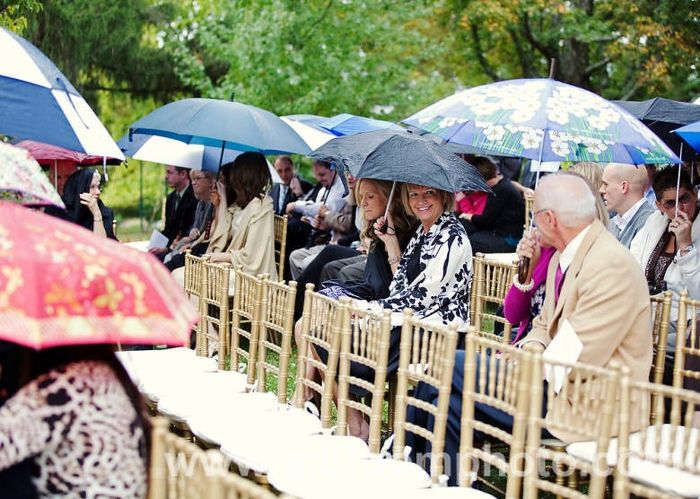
(490, 72)
(543, 49)
(523, 55)
(316, 23)
(596, 66)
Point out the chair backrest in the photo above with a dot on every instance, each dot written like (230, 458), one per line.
(276, 322)
(245, 322)
(583, 410)
(529, 203)
(661, 460)
(661, 312)
(496, 376)
(489, 287)
(686, 364)
(320, 329)
(365, 341)
(215, 308)
(182, 470)
(427, 355)
(280, 243)
(193, 282)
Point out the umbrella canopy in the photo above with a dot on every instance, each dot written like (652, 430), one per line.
(62, 285)
(221, 124)
(691, 134)
(167, 151)
(46, 154)
(38, 102)
(312, 120)
(314, 137)
(22, 180)
(542, 119)
(349, 124)
(663, 116)
(402, 157)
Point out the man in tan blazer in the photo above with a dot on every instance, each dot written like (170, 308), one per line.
(602, 294)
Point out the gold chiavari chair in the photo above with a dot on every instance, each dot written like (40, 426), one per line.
(661, 460)
(426, 355)
(490, 284)
(194, 278)
(320, 328)
(280, 243)
(182, 470)
(245, 322)
(686, 368)
(276, 321)
(215, 308)
(661, 310)
(496, 376)
(583, 412)
(365, 342)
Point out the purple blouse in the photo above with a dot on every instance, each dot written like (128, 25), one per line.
(521, 307)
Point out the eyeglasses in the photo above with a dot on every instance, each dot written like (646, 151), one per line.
(671, 203)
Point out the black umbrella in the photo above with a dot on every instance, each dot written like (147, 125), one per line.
(664, 115)
(402, 157)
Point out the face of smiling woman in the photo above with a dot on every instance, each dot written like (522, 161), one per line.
(426, 204)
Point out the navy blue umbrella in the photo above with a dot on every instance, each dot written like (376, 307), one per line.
(222, 124)
(37, 102)
(402, 156)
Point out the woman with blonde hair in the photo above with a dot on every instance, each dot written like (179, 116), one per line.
(593, 174)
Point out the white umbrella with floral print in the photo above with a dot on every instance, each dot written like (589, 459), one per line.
(22, 180)
(542, 119)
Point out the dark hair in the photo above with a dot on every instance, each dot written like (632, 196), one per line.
(321, 163)
(180, 169)
(285, 159)
(667, 178)
(246, 178)
(486, 167)
(79, 183)
(36, 363)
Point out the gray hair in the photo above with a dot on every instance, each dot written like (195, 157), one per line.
(569, 196)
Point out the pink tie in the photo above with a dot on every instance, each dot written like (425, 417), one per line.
(558, 280)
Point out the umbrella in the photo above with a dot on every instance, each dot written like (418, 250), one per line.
(38, 102)
(22, 180)
(62, 285)
(691, 134)
(663, 116)
(47, 154)
(401, 156)
(167, 151)
(311, 120)
(314, 137)
(542, 119)
(349, 124)
(221, 124)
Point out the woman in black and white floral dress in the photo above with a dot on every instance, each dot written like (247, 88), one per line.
(80, 419)
(432, 276)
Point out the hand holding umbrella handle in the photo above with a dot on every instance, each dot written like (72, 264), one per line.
(523, 269)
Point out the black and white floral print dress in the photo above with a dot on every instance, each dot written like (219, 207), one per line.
(439, 287)
(81, 429)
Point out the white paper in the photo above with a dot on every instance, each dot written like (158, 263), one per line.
(158, 240)
(564, 347)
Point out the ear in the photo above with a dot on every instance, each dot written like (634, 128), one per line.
(625, 186)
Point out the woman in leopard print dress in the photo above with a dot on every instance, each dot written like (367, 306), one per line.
(80, 419)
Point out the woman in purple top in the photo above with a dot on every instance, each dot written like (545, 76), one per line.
(524, 301)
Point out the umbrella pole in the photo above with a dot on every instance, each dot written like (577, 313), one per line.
(55, 173)
(388, 203)
(221, 156)
(678, 180)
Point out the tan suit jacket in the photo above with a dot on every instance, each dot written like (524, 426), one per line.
(605, 298)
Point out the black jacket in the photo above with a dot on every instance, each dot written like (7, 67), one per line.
(288, 198)
(178, 222)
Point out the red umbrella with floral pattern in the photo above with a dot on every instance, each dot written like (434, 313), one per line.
(62, 285)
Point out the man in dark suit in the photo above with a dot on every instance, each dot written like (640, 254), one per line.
(291, 188)
(180, 207)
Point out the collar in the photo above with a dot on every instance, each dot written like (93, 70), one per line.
(182, 192)
(567, 256)
(622, 220)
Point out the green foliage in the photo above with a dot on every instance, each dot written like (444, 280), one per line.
(14, 14)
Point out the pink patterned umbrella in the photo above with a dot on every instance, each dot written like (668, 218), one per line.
(47, 153)
(22, 180)
(62, 285)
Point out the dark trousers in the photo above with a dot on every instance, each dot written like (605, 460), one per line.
(421, 418)
(312, 272)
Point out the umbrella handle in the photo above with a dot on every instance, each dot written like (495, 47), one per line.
(523, 267)
(385, 227)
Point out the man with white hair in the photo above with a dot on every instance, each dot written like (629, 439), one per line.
(623, 188)
(596, 298)
(594, 286)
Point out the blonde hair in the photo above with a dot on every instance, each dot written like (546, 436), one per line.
(447, 199)
(403, 221)
(592, 173)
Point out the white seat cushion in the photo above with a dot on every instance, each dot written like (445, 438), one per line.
(663, 477)
(350, 478)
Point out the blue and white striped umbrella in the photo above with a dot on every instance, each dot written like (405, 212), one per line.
(38, 102)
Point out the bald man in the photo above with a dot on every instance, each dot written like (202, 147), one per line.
(623, 189)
